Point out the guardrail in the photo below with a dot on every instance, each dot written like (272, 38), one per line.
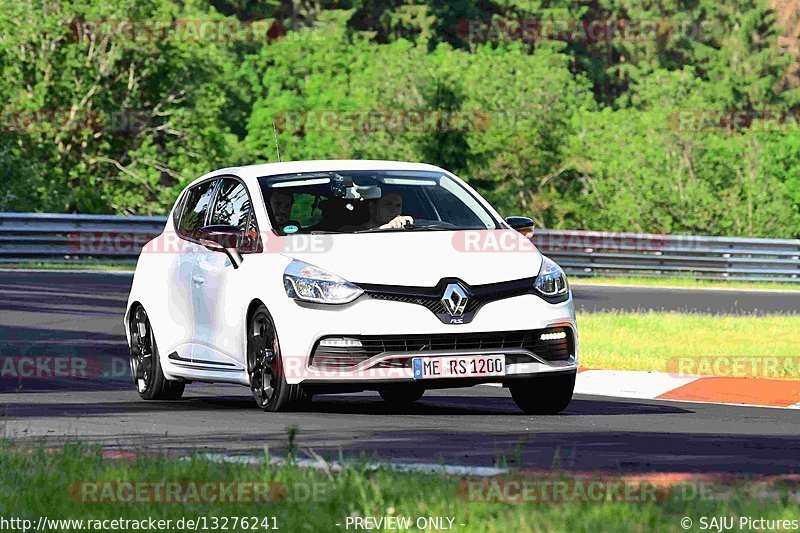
(34, 237)
(732, 258)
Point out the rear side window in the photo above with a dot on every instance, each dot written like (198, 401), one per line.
(195, 208)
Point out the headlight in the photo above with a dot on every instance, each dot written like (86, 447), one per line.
(551, 281)
(311, 284)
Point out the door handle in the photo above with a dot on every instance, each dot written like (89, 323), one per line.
(198, 280)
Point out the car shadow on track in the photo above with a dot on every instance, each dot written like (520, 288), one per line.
(485, 429)
(340, 404)
(477, 405)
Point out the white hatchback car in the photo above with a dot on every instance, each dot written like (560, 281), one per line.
(300, 278)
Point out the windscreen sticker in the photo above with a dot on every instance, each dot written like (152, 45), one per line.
(290, 229)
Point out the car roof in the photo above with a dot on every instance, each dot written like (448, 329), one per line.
(251, 172)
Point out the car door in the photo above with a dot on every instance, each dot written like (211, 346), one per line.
(192, 216)
(217, 314)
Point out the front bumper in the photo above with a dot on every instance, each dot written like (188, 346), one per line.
(301, 327)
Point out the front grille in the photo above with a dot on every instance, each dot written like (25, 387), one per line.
(431, 297)
(435, 305)
(432, 303)
(372, 345)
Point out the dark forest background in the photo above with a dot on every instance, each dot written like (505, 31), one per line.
(668, 116)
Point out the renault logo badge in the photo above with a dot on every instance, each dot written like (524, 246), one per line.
(454, 299)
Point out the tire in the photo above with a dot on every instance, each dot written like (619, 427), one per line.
(148, 376)
(546, 395)
(265, 367)
(402, 394)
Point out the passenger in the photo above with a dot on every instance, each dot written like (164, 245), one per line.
(281, 204)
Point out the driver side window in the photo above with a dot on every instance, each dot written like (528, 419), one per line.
(195, 209)
(234, 208)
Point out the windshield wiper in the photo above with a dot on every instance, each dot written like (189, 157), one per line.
(378, 230)
(409, 227)
(432, 227)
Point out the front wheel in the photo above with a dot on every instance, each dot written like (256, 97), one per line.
(145, 364)
(266, 369)
(545, 395)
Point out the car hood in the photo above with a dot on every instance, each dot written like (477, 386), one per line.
(419, 258)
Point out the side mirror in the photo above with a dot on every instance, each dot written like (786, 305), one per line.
(222, 238)
(523, 225)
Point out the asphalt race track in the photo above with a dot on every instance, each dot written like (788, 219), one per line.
(54, 314)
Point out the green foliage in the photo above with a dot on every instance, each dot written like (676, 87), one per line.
(610, 133)
(98, 119)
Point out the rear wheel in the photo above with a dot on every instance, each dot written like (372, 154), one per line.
(266, 369)
(402, 394)
(145, 364)
(546, 395)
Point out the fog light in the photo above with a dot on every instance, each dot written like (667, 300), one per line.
(340, 342)
(553, 336)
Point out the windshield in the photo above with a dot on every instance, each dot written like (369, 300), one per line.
(371, 201)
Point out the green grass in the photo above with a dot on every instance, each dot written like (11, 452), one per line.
(685, 282)
(648, 341)
(39, 482)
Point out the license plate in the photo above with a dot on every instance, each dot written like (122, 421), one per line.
(466, 366)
